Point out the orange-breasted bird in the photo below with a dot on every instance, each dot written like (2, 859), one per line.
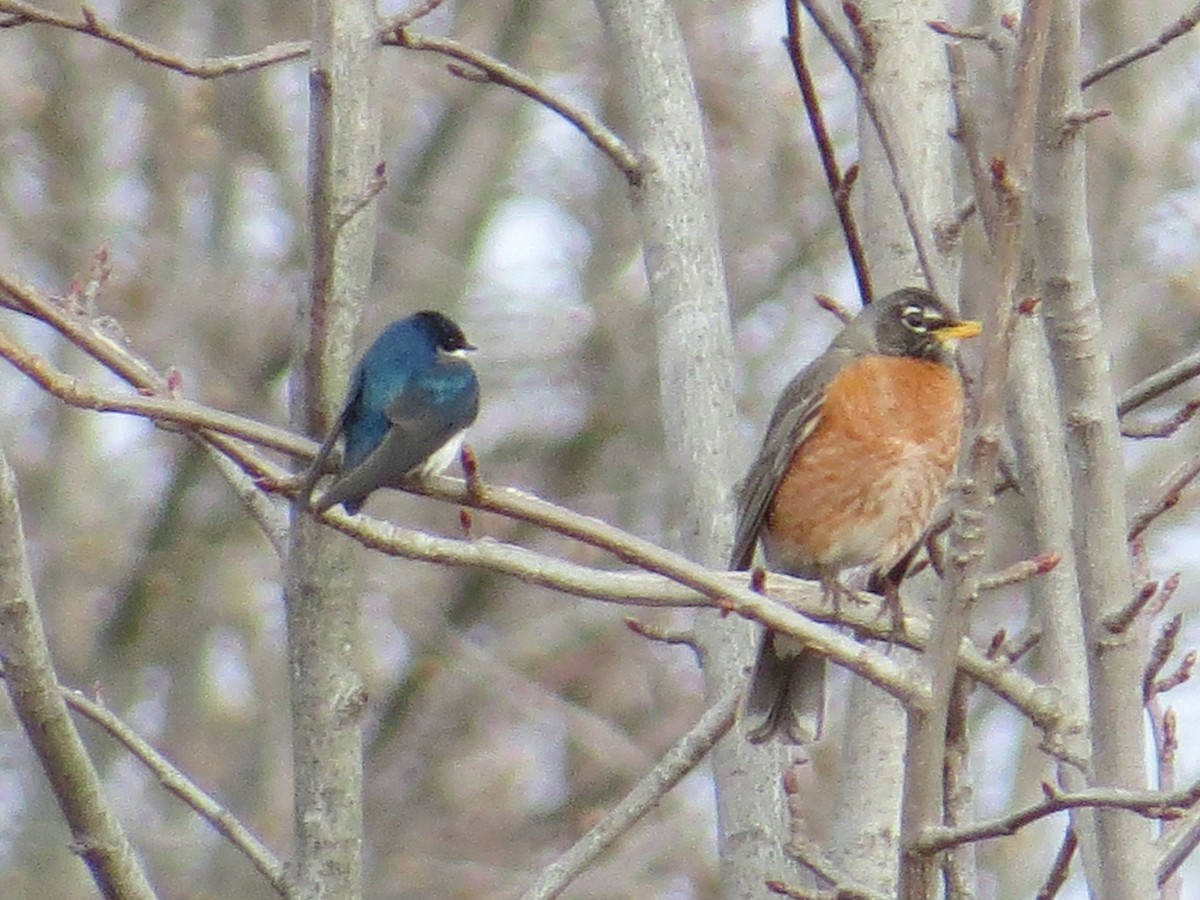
(857, 455)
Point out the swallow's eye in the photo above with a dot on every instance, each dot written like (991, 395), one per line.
(914, 319)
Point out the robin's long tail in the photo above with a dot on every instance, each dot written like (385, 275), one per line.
(787, 692)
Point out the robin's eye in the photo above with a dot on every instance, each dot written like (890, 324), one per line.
(913, 318)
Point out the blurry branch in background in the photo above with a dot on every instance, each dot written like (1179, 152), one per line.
(1176, 29)
(186, 790)
(484, 68)
(677, 762)
(839, 185)
(16, 14)
(32, 686)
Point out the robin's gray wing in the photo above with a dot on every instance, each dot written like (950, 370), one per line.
(795, 416)
(416, 433)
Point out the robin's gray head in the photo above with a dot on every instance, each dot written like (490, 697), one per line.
(908, 322)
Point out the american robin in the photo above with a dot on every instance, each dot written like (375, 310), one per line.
(856, 456)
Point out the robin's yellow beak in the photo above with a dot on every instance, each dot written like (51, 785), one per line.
(957, 331)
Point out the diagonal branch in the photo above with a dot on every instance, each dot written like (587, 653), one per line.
(1176, 29)
(1159, 383)
(677, 762)
(178, 784)
(491, 69)
(33, 690)
(886, 134)
(19, 13)
(839, 185)
(1149, 804)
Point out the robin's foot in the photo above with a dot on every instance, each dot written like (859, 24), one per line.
(833, 593)
(891, 604)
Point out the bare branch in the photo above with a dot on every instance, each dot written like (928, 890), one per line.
(418, 12)
(1120, 620)
(883, 130)
(601, 137)
(1159, 383)
(684, 637)
(1057, 876)
(837, 184)
(1148, 804)
(1176, 29)
(811, 857)
(178, 784)
(1179, 850)
(1164, 646)
(1167, 499)
(677, 762)
(162, 410)
(33, 691)
(1166, 428)
(20, 13)
(968, 134)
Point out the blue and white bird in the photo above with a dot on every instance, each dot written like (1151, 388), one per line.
(411, 397)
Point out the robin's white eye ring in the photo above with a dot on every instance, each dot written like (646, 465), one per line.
(913, 318)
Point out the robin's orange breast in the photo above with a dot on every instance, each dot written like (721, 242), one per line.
(862, 487)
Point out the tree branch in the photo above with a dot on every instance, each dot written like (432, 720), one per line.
(186, 790)
(885, 132)
(839, 186)
(677, 762)
(490, 69)
(1159, 383)
(33, 691)
(20, 13)
(1148, 804)
(1176, 29)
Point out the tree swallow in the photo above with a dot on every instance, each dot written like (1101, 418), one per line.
(411, 397)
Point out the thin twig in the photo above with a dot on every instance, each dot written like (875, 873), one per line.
(1159, 383)
(1167, 427)
(677, 762)
(812, 858)
(1167, 498)
(1179, 849)
(1149, 804)
(1057, 876)
(838, 186)
(90, 24)
(1176, 29)
(684, 637)
(32, 686)
(419, 11)
(1164, 646)
(601, 137)
(969, 137)
(884, 132)
(161, 410)
(1021, 571)
(178, 784)
(1121, 619)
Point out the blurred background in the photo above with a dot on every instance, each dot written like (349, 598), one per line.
(504, 719)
